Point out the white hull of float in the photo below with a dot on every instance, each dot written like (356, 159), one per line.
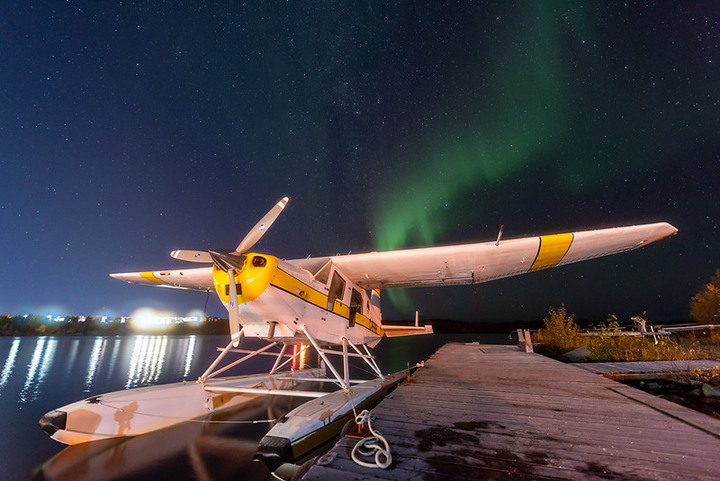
(138, 411)
(315, 422)
(223, 442)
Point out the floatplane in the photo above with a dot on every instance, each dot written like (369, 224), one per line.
(329, 304)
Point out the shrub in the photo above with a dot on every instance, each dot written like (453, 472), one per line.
(710, 376)
(560, 333)
(705, 305)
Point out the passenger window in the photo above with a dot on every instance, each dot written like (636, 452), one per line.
(355, 306)
(337, 287)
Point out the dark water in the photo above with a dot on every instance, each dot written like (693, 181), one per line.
(43, 373)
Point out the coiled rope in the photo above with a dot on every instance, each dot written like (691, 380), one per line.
(374, 446)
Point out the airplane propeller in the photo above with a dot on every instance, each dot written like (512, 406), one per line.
(230, 261)
(261, 227)
(245, 245)
(191, 256)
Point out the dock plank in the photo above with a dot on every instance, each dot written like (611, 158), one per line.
(493, 412)
(647, 367)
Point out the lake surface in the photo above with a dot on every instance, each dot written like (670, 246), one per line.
(40, 374)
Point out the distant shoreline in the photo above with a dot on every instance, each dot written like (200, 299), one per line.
(14, 326)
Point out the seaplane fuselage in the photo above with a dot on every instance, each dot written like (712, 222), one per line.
(278, 301)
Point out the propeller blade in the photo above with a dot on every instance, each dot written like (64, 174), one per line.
(261, 227)
(192, 256)
(233, 309)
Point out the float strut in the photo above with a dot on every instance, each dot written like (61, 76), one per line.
(219, 358)
(279, 358)
(343, 384)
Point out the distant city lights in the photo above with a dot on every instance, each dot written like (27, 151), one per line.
(144, 318)
(149, 318)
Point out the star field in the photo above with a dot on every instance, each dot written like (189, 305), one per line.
(129, 130)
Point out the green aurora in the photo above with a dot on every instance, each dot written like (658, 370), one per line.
(552, 92)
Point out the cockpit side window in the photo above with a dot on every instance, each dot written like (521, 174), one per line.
(337, 287)
(324, 273)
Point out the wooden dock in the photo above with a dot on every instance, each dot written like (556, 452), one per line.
(494, 412)
(646, 369)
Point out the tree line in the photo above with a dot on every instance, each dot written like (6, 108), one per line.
(92, 326)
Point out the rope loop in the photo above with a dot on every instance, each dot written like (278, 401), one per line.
(375, 446)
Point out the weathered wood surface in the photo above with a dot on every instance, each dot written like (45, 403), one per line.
(494, 412)
(646, 367)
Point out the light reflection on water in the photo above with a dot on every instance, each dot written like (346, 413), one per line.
(70, 360)
(9, 363)
(42, 359)
(110, 371)
(95, 359)
(40, 374)
(147, 360)
(189, 354)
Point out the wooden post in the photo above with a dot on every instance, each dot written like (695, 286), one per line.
(528, 341)
(524, 340)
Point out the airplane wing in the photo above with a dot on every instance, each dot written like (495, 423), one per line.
(449, 265)
(482, 262)
(196, 279)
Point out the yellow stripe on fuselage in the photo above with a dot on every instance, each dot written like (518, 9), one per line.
(551, 251)
(368, 324)
(151, 277)
(286, 282)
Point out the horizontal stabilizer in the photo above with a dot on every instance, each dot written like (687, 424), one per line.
(397, 331)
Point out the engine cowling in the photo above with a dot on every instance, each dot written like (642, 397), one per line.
(252, 278)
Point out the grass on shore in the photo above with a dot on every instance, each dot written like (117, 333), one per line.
(561, 334)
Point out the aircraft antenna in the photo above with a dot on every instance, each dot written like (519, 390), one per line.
(497, 242)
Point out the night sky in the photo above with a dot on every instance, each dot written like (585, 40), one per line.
(129, 129)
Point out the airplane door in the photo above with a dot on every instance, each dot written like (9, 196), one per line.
(337, 288)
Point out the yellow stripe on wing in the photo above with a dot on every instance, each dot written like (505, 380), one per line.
(151, 277)
(552, 250)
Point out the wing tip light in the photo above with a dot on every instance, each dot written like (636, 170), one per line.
(663, 230)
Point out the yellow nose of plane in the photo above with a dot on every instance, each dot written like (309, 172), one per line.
(251, 279)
